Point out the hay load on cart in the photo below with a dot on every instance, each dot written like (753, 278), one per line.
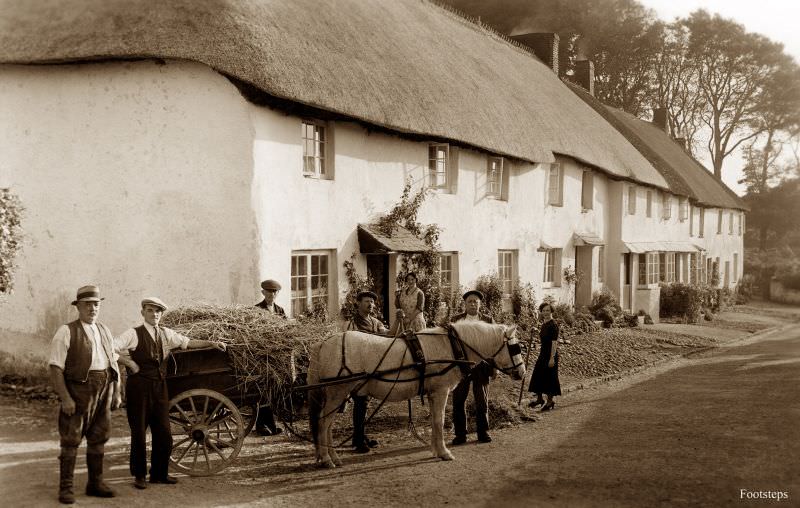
(215, 395)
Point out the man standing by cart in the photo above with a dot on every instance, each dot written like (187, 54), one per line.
(364, 321)
(265, 422)
(85, 375)
(144, 350)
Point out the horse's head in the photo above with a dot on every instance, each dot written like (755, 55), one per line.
(500, 348)
(509, 358)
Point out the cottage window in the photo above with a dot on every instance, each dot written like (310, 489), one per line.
(648, 268)
(632, 200)
(730, 223)
(701, 226)
(310, 281)
(315, 148)
(494, 177)
(555, 180)
(691, 220)
(683, 209)
(438, 158)
(740, 215)
(666, 206)
(667, 267)
(587, 190)
(448, 271)
(719, 222)
(552, 269)
(506, 270)
(735, 267)
(601, 264)
(649, 203)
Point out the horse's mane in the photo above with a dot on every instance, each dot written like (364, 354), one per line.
(479, 333)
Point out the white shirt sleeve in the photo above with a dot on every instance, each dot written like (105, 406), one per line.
(125, 342)
(59, 347)
(173, 339)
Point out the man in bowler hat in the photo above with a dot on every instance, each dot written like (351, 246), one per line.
(144, 351)
(479, 377)
(85, 375)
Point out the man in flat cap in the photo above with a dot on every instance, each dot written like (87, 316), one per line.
(144, 351)
(479, 377)
(85, 375)
(364, 321)
(265, 423)
(270, 288)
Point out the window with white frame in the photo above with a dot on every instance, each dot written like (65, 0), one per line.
(701, 223)
(719, 222)
(632, 200)
(739, 217)
(310, 281)
(315, 147)
(649, 203)
(587, 190)
(448, 271)
(438, 162)
(666, 267)
(507, 270)
(683, 209)
(730, 223)
(648, 268)
(691, 220)
(555, 180)
(552, 267)
(601, 264)
(666, 206)
(494, 177)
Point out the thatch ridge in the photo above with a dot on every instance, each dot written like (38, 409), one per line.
(410, 66)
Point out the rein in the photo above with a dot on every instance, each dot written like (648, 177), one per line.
(513, 349)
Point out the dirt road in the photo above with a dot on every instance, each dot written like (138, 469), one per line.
(691, 432)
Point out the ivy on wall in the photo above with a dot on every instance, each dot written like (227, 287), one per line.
(10, 237)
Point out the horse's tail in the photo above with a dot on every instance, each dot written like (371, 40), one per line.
(316, 396)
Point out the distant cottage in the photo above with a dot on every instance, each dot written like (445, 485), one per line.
(191, 148)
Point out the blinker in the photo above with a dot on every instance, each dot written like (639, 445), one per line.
(514, 349)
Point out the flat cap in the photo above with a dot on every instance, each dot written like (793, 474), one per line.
(271, 285)
(89, 293)
(155, 302)
(364, 294)
(474, 292)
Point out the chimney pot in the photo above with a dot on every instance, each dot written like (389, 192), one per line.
(660, 119)
(584, 75)
(543, 45)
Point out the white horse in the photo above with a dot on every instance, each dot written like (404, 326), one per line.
(391, 374)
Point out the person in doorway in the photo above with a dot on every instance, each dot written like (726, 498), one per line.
(85, 375)
(544, 379)
(410, 303)
(479, 377)
(265, 422)
(364, 321)
(144, 351)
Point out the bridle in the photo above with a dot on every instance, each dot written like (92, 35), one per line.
(514, 349)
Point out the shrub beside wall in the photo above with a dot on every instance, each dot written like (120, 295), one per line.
(10, 237)
(683, 301)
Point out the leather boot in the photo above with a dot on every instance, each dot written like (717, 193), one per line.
(65, 494)
(96, 487)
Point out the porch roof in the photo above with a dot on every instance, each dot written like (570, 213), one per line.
(588, 239)
(642, 247)
(372, 240)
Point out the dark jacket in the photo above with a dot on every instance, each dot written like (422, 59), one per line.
(278, 309)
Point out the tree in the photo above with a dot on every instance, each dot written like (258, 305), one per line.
(774, 213)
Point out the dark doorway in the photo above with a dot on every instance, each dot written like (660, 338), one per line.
(378, 271)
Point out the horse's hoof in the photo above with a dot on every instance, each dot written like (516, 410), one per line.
(447, 456)
(328, 465)
(337, 463)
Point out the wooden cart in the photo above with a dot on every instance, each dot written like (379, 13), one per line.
(210, 413)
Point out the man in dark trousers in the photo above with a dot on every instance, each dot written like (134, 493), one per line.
(479, 377)
(265, 423)
(85, 375)
(363, 321)
(144, 350)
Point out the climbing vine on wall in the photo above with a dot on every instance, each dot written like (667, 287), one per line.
(10, 237)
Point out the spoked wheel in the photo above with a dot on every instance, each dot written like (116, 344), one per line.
(207, 432)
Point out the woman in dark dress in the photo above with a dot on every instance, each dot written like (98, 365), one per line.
(545, 373)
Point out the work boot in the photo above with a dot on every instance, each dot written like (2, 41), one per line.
(95, 486)
(65, 494)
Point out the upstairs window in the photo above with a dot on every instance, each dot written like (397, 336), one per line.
(683, 209)
(649, 204)
(315, 149)
(438, 158)
(730, 223)
(691, 221)
(506, 270)
(555, 179)
(740, 215)
(701, 225)
(601, 264)
(495, 177)
(719, 222)
(632, 200)
(666, 206)
(587, 190)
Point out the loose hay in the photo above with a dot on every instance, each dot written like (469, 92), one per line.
(267, 352)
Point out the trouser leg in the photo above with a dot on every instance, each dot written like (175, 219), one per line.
(460, 394)
(266, 419)
(138, 402)
(480, 390)
(159, 428)
(359, 420)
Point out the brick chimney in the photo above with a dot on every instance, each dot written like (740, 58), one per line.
(544, 46)
(660, 119)
(584, 75)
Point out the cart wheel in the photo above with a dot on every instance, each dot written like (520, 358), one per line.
(207, 432)
(249, 415)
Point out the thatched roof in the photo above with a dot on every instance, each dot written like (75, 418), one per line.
(685, 176)
(372, 241)
(406, 65)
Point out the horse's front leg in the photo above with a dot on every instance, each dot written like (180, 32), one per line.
(438, 401)
(327, 455)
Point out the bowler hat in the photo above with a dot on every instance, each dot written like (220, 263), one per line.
(364, 294)
(474, 292)
(88, 293)
(270, 285)
(155, 302)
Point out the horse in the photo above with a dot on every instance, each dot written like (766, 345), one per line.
(384, 368)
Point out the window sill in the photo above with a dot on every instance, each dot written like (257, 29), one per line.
(312, 176)
(558, 205)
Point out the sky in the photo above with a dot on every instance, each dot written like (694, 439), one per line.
(777, 19)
